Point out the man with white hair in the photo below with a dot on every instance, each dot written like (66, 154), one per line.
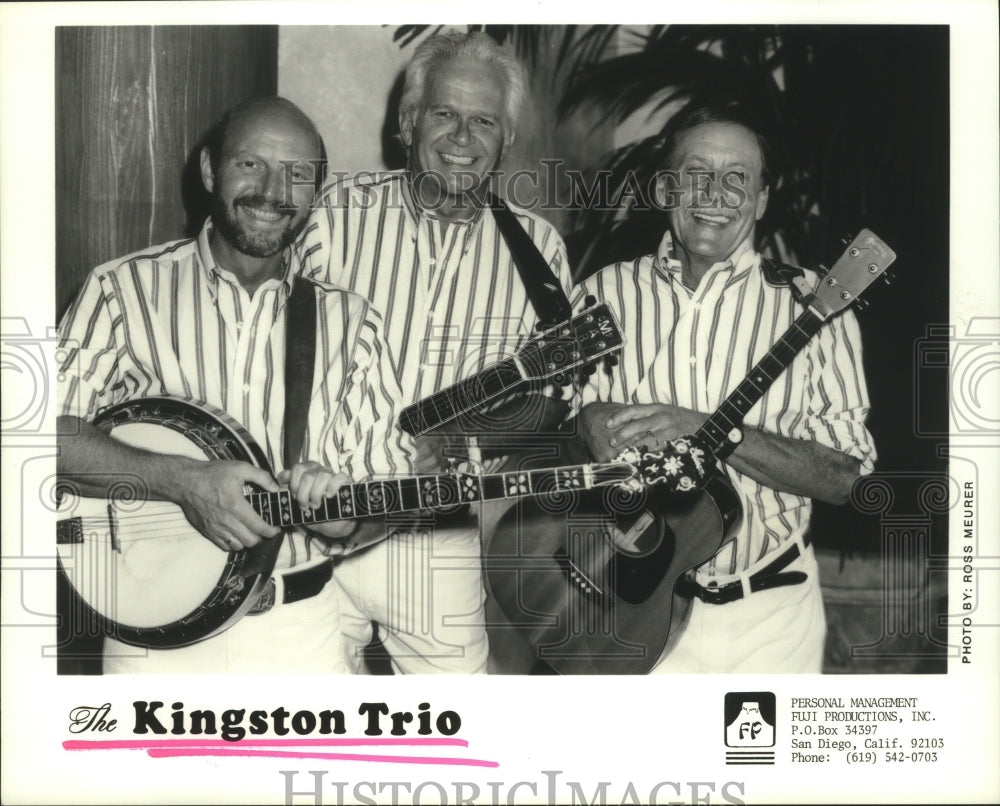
(424, 245)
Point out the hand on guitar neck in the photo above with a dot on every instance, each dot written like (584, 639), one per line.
(607, 428)
(211, 493)
(781, 463)
(310, 483)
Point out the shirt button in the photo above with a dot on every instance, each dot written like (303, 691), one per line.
(692, 361)
(246, 389)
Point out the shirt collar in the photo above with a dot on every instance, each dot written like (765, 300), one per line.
(418, 211)
(213, 273)
(743, 259)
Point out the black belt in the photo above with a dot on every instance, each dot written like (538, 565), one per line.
(297, 585)
(770, 576)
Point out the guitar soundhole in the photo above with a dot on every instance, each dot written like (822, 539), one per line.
(638, 567)
(618, 560)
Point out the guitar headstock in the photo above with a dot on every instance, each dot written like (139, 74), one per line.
(866, 259)
(682, 465)
(586, 337)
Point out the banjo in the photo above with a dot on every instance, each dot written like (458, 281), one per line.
(158, 583)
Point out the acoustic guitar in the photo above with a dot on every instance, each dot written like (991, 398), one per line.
(587, 580)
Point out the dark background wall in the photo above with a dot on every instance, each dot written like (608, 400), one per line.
(131, 104)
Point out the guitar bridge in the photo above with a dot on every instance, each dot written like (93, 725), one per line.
(116, 544)
(578, 578)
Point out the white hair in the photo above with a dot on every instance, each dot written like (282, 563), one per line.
(474, 45)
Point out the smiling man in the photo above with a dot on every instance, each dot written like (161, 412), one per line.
(456, 124)
(697, 316)
(208, 319)
(423, 245)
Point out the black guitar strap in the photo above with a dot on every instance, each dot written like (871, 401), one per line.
(300, 356)
(543, 289)
(781, 274)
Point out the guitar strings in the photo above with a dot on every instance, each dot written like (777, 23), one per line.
(155, 531)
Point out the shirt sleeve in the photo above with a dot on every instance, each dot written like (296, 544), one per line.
(318, 244)
(837, 393)
(372, 444)
(90, 355)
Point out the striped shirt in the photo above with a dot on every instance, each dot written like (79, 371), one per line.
(168, 320)
(691, 348)
(452, 298)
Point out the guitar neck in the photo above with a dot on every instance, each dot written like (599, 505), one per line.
(586, 337)
(461, 397)
(439, 491)
(715, 432)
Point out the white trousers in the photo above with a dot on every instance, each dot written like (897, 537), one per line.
(779, 631)
(303, 636)
(425, 591)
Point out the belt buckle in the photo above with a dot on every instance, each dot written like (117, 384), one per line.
(265, 601)
(712, 593)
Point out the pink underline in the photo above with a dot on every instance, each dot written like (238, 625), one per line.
(175, 748)
(139, 744)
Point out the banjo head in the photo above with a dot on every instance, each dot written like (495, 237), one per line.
(152, 576)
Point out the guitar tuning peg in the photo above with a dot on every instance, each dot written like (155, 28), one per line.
(612, 360)
(589, 301)
(822, 270)
(846, 239)
(861, 305)
(888, 277)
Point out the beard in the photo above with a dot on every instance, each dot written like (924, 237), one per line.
(248, 241)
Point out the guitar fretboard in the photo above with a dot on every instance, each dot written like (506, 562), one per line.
(587, 336)
(463, 396)
(440, 491)
(715, 432)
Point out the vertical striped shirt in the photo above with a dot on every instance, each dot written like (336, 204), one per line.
(691, 348)
(451, 296)
(169, 321)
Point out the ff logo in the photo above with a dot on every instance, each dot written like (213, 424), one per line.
(749, 727)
